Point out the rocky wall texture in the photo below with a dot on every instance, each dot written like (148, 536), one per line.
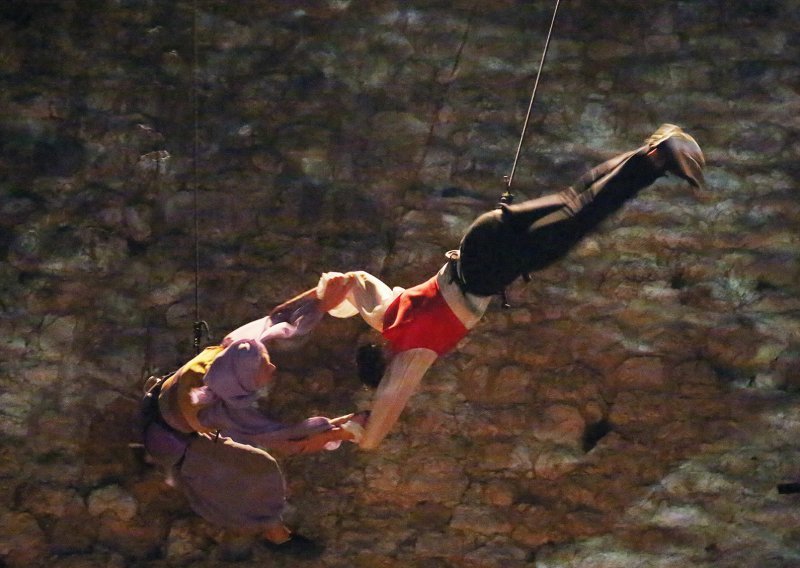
(636, 406)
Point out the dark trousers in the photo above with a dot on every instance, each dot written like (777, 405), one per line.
(515, 240)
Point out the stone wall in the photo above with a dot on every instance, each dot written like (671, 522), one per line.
(636, 406)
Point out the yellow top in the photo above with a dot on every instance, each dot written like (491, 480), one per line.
(175, 402)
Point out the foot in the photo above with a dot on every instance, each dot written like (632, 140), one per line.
(236, 548)
(298, 545)
(674, 151)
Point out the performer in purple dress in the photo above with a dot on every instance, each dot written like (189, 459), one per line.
(202, 426)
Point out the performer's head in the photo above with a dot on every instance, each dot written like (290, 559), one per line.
(236, 375)
(371, 363)
(243, 368)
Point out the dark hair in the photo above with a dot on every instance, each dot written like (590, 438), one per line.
(371, 364)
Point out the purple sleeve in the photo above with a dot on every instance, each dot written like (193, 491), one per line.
(251, 426)
(298, 321)
(232, 379)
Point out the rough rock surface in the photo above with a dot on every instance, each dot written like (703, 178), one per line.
(637, 406)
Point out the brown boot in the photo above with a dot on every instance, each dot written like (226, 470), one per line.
(296, 545)
(277, 533)
(677, 153)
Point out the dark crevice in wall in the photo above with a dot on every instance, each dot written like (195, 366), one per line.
(594, 433)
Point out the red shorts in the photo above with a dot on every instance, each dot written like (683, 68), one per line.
(420, 317)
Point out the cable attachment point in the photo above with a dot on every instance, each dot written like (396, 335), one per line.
(507, 198)
(504, 299)
(200, 328)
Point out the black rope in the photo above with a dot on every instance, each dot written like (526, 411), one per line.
(199, 326)
(507, 196)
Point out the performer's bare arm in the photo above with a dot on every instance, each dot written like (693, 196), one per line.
(402, 377)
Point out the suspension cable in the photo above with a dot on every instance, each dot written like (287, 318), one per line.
(199, 325)
(507, 196)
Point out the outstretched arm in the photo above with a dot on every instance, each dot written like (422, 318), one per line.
(250, 426)
(333, 294)
(281, 312)
(293, 318)
(344, 428)
(403, 375)
(294, 441)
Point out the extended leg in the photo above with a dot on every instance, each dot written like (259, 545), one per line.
(517, 239)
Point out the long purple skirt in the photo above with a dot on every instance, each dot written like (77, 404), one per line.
(231, 485)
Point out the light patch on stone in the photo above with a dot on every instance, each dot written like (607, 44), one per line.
(555, 463)
(561, 424)
(112, 499)
(15, 407)
(183, 544)
(520, 458)
(339, 5)
(682, 516)
(57, 332)
(691, 479)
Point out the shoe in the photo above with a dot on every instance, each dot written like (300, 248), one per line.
(678, 153)
(234, 549)
(298, 545)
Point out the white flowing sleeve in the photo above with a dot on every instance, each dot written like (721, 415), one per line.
(367, 296)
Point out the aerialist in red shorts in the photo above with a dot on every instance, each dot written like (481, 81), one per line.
(426, 321)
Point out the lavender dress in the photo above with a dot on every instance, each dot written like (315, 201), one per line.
(229, 480)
